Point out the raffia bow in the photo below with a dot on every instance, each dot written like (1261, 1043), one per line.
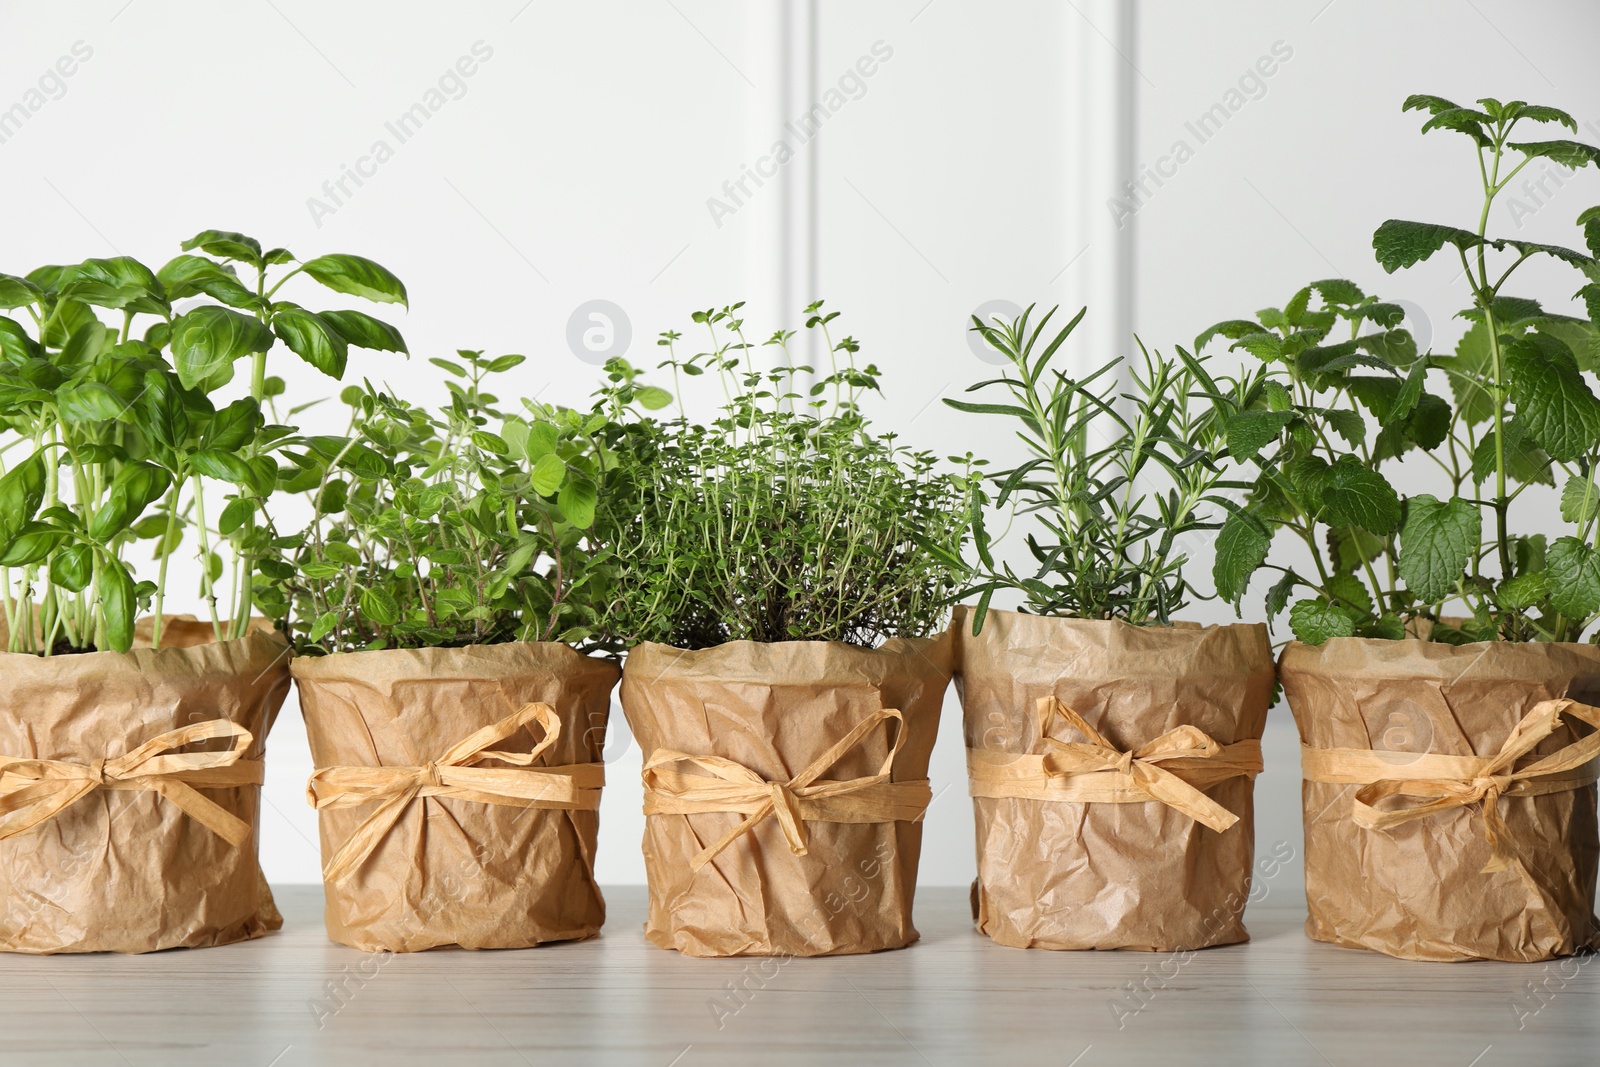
(1172, 769)
(726, 786)
(454, 775)
(34, 790)
(1463, 781)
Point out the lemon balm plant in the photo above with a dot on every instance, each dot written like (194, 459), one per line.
(111, 377)
(1526, 409)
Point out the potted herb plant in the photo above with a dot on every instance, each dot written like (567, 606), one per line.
(1448, 814)
(435, 599)
(129, 775)
(1111, 748)
(777, 589)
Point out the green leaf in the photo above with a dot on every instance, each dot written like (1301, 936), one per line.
(1315, 621)
(1264, 346)
(1571, 154)
(341, 553)
(652, 397)
(234, 426)
(313, 340)
(1554, 404)
(490, 442)
(118, 604)
(21, 493)
(1574, 574)
(1424, 102)
(89, 401)
(1232, 329)
(207, 340)
(1437, 544)
(1580, 500)
(1357, 496)
(1250, 431)
(1278, 595)
(223, 466)
(239, 511)
(1468, 369)
(226, 244)
(577, 501)
(73, 567)
(186, 276)
(363, 331)
(548, 473)
(378, 606)
(1351, 594)
(1403, 244)
(1339, 291)
(17, 292)
(33, 542)
(1348, 424)
(358, 277)
(1463, 120)
(1525, 461)
(136, 486)
(1242, 545)
(1523, 591)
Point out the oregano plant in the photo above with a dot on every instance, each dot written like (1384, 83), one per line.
(457, 526)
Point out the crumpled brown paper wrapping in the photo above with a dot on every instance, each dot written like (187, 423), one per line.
(1417, 890)
(774, 708)
(1099, 875)
(128, 871)
(457, 872)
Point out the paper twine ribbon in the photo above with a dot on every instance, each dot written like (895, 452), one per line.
(34, 790)
(1462, 781)
(454, 775)
(722, 785)
(1172, 769)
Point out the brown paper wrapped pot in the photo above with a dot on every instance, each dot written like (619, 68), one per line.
(1418, 890)
(1095, 875)
(125, 870)
(456, 871)
(774, 709)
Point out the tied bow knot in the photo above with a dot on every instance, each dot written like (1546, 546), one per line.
(455, 775)
(35, 790)
(1446, 783)
(723, 785)
(1173, 769)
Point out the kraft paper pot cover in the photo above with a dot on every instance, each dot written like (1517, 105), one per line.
(480, 851)
(1070, 856)
(784, 790)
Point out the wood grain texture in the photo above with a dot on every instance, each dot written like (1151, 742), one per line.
(953, 998)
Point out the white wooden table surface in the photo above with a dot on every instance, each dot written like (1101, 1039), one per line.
(954, 998)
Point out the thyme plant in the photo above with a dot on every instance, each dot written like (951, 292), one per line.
(784, 518)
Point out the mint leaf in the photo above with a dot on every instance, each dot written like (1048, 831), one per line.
(1232, 329)
(1437, 544)
(1278, 595)
(1250, 431)
(1523, 591)
(1580, 500)
(1241, 548)
(1403, 244)
(1350, 593)
(1571, 154)
(1574, 574)
(1356, 496)
(1554, 404)
(1314, 621)
(1339, 291)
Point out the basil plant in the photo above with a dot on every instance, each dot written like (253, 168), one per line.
(121, 417)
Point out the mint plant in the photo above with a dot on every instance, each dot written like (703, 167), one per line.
(1525, 404)
(461, 526)
(785, 518)
(109, 391)
(1114, 493)
(1297, 416)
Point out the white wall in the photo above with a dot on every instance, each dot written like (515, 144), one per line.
(576, 163)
